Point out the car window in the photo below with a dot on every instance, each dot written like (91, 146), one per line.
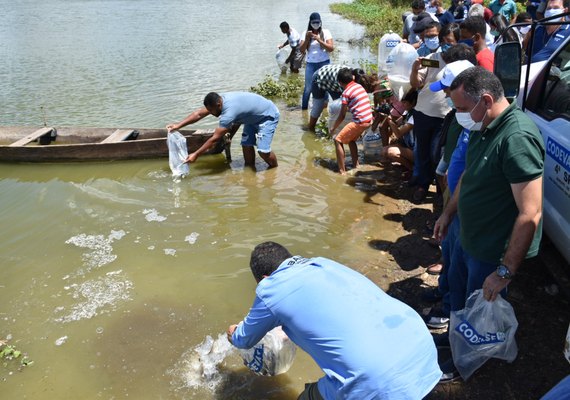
(555, 98)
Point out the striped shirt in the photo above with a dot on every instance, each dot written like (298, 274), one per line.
(356, 98)
(326, 78)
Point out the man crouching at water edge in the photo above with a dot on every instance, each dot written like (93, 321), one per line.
(259, 116)
(369, 345)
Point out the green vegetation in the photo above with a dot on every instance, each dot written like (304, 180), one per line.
(377, 16)
(9, 353)
(288, 88)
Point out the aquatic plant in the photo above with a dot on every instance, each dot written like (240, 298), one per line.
(288, 89)
(9, 353)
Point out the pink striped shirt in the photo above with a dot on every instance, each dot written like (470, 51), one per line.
(356, 98)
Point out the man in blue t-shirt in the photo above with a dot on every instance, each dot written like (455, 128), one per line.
(548, 38)
(258, 115)
(368, 344)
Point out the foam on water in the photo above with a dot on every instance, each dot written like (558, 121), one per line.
(170, 252)
(153, 215)
(100, 246)
(96, 296)
(191, 238)
(199, 367)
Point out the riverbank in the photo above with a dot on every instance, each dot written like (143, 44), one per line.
(541, 308)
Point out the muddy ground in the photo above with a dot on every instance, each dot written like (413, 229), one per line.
(541, 302)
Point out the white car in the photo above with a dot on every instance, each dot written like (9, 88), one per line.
(547, 102)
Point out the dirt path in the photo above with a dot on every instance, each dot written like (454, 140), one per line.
(541, 307)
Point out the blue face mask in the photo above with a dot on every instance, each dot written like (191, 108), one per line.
(445, 47)
(449, 102)
(495, 33)
(432, 43)
(468, 42)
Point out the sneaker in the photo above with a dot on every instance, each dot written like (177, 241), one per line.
(436, 319)
(450, 373)
(432, 295)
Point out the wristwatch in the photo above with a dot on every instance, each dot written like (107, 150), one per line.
(504, 272)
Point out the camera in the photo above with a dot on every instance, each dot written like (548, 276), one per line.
(384, 108)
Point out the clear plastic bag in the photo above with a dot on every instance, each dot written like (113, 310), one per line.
(281, 58)
(404, 55)
(273, 355)
(482, 330)
(334, 112)
(177, 153)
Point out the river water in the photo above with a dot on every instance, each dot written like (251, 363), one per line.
(112, 276)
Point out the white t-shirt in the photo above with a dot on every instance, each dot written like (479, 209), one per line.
(432, 104)
(315, 53)
(293, 37)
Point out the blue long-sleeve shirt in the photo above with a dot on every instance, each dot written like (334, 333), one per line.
(369, 345)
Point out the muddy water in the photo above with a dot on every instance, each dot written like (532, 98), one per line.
(112, 276)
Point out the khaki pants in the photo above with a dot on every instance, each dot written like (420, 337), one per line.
(311, 392)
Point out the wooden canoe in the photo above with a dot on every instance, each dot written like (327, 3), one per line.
(67, 144)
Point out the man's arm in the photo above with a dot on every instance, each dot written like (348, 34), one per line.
(218, 134)
(528, 197)
(254, 327)
(190, 119)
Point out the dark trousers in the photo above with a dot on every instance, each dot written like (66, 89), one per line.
(426, 131)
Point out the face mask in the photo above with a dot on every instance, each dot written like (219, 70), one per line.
(524, 30)
(552, 12)
(445, 47)
(432, 43)
(468, 42)
(465, 120)
(315, 25)
(495, 33)
(450, 102)
(431, 10)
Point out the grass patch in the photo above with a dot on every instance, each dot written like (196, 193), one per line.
(288, 88)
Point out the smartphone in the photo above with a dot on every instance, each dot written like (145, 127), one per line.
(427, 62)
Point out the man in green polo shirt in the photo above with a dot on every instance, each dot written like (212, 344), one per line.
(499, 197)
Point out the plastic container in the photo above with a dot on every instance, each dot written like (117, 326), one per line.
(387, 43)
(403, 56)
(372, 145)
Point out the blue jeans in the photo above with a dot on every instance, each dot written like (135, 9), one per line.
(447, 247)
(466, 275)
(426, 130)
(310, 69)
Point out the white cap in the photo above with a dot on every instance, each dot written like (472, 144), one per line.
(450, 72)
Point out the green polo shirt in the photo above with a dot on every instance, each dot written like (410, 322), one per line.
(510, 150)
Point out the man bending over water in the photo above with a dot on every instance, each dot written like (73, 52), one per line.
(259, 116)
(369, 345)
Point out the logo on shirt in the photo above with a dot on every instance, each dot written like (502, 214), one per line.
(475, 338)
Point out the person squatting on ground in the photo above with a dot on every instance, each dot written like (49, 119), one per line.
(325, 83)
(356, 100)
(258, 115)
(317, 43)
(401, 149)
(368, 344)
(295, 59)
(499, 197)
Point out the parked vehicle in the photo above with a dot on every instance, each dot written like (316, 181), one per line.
(542, 90)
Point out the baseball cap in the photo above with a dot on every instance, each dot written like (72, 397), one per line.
(450, 72)
(315, 17)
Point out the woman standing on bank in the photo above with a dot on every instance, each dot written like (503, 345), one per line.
(317, 43)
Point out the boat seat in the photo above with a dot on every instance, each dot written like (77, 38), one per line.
(118, 136)
(33, 136)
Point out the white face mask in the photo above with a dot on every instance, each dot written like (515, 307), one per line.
(465, 120)
(524, 30)
(552, 12)
(431, 9)
(315, 25)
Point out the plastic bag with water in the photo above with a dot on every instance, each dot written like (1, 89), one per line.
(273, 355)
(482, 330)
(177, 153)
(334, 111)
(372, 145)
(281, 58)
(403, 56)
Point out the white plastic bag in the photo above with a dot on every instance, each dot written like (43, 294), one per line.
(334, 112)
(281, 58)
(404, 55)
(482, 330)
(273, 355)
(177, 153)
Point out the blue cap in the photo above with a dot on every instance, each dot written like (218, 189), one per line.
(315, 17)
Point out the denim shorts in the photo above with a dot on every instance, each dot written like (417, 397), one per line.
(260, 135)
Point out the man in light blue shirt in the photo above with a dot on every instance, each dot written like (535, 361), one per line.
(368, 344)
(258, 115)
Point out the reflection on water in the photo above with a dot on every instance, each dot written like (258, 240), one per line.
(111, 273)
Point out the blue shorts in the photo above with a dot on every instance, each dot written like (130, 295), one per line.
(260, 135)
